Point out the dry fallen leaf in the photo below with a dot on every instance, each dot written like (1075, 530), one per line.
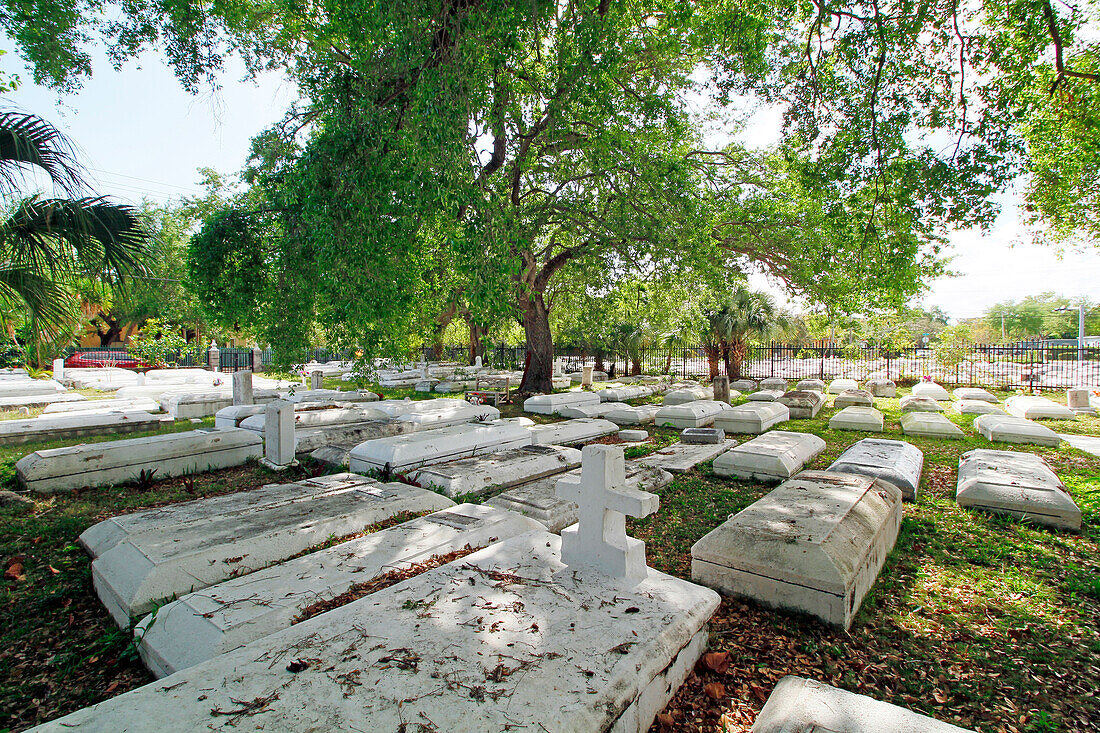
(15, 569)
(717, 662)
(665, 720)
(715, 690)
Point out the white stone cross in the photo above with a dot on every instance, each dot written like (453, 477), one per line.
(599, 541)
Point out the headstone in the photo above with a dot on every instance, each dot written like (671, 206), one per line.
(403, 453)
(640, 415)
(316, 379)
(774, 383)
(549, 404)
(857, 418)
(765, 395)
(539, 500)
(681, 457)
(721, 387)
(930, 425)
(803, 404)
(571, 432)
(840, 384)
(799, 705)
(975, 393)
(58, 369)
(1037, 408)
(810, 385)
(201, 625)
(562, 649)
(586, 377)
(78, 425)
(752, 417)
(743, 385)
(1077, 399)
(853, 398)
(279, 441)
(493, 472)
(774, 456)
(882, 388)
(815, 544)
(1009, 429)
(242, 388)
(919, 403)
(148, 567)
(702, 436)
(696, 414)
(632, 436)
(976, 407)
(1018, 484)
(895, 461)
(477, 362)
(103, 464)
(930, 389)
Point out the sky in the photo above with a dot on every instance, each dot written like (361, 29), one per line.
(141, 136)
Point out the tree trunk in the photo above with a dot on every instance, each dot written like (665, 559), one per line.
(668, 362)
(476, 334)
(540, 344)
(600, 367)
(711, 350)
(737, 354)
(635, 365)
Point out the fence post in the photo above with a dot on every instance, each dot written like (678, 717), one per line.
(213, 356)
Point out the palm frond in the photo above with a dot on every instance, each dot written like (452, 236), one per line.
(27, 139)
(70, 237)
(47, 301)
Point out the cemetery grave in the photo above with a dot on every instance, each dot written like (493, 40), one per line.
(756, 646)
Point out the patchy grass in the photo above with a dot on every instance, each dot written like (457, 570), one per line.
(977, 620)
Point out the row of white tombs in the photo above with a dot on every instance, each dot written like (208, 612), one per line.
(544, 615)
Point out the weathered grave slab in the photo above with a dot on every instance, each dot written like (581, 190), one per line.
(539, 500)
(111, 405)
(752, 417)
(1034, 407)
(146, 568)
(309, 415)
(702, 436)
(1010, 429)
(680, 457)
(499, 470)
(334, 395)
(633, 435)
(744, 385)
(840, 384)
(774, 384)
(765, 395)
(201, 625)
(975, 393)
(308, 440)
(696, 414)
(1018, 484)
(1087, 443)
(64, 427)
(803, 404)
(799, 705)
(624, 393)
(854, 398)
(895, 461)
(185, 406)
(571, 432)
(930, 389)
(104, 535)
(101, 464)
(858, 418)
(810, 385)
(640, 415)
(977, 407)
(815, 544)
(919, 403)
(450, 416)
(881, 387)
(23, 387)
(397, 408)
(774, 456)
(597, 410)
(549, 404)
(688, 394)
(930, 425)
(595, 654)
(39, 400)
(401, 453)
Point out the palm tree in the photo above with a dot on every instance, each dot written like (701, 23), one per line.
(629, 339)
(747, 314)
(47, 243)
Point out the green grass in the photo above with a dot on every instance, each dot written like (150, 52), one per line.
(978, 620)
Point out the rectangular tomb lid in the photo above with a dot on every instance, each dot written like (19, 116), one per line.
(895, 461)
(694, 414)
(405, 452)
(497, 470)
(929, 425)
(680, 457)
(548, 404)
(1019, 484)
(774, 456)
(752, 417)
(571, 432)
(1015, 430)
(640, 415)
(589, 651)
(1034, 407)
(857, 418)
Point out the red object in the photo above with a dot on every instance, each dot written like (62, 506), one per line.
(93, 359)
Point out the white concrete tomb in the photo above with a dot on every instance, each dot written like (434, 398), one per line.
(1018, 484)
(774, 456)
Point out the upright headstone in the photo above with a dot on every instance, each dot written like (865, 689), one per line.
(242, 388)
(599, 541)
(59, 373)
(477, 362)
(586, 378)
(557, 368)
(1077, 399)
(213, 356)
(257, 359)
(279, 440)
(317, 379)
(722, 388)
